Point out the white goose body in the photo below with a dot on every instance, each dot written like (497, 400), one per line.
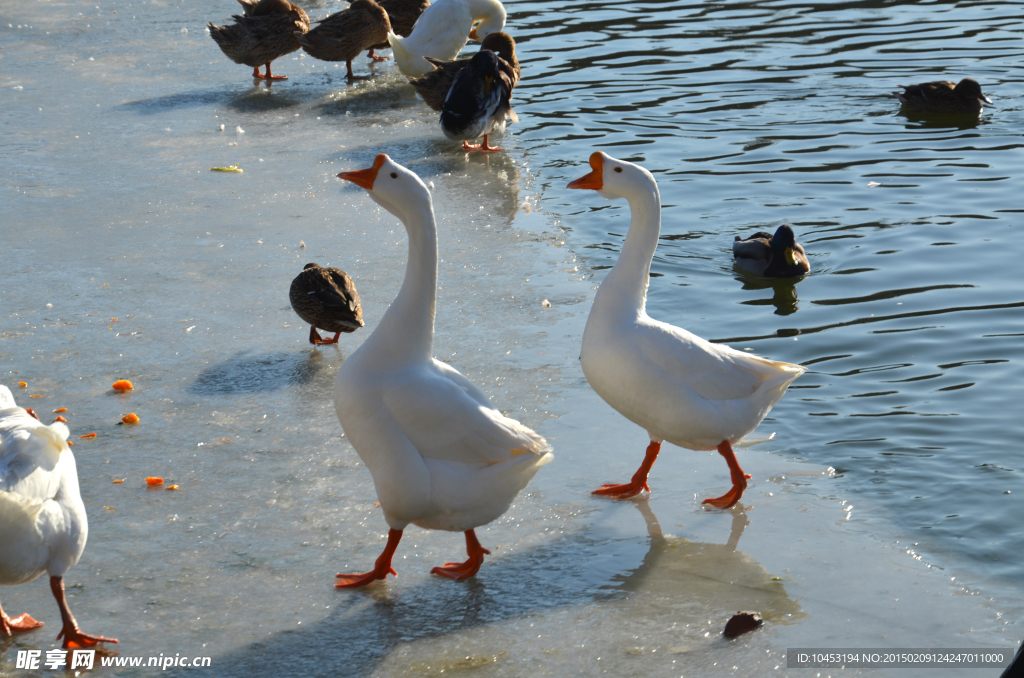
(440, 455)
(442, 31)
(43, 526)
(678, 387)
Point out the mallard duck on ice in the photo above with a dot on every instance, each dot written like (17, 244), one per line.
(265, 31)
(435, 85)
(479, 101)
(326, 298)
(343, 35)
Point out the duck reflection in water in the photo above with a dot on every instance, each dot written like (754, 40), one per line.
(718, 579)
(784, 297)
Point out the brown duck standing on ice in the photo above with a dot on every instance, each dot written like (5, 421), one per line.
(402, 14)
(265, 32)
(326, 298)
(771, 256)
(343, 35)
(942, 96)
(434, 86)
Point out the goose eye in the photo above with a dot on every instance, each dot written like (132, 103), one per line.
(619, 170)
(394, 175)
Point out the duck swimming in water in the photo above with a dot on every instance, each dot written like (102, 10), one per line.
(478, 101)
(265, 31)
(771, 256)
(943, 96)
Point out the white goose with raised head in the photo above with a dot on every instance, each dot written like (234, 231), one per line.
(440, 455)
(679, 387)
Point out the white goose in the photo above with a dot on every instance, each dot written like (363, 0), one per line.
(440, 455)
(43, 527)
(442, 31)
(679, 387)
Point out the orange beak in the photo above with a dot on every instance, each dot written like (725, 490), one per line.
(365, 177)
(472, 35)
(594, 180)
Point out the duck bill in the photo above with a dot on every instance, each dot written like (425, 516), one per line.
(364, 178)
(472, 34)
(594, 180)
(790, 256)
(986, 100)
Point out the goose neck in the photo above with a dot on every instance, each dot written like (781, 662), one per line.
(630, 276)
(408, 324)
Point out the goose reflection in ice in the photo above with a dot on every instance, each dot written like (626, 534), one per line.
(705, 580)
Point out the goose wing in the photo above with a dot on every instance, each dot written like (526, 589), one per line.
(29, 454)
(448, 418)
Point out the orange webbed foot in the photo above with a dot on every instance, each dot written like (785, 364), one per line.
(636, 484)
(727, 500)
(23, 622)
(74, 638)
(352, 581)
(623, 491)
(739, 479)
(381, 569)
(461, 571)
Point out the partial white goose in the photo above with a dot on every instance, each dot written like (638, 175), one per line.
(679, 387)
(43, 527)
(442, 31)
(440, 455)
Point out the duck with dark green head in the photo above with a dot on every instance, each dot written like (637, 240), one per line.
(943, 96)
(771, 256)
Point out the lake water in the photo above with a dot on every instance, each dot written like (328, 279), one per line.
(884, 513)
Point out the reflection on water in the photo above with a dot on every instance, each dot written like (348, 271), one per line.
(784, 297)
(718, 579)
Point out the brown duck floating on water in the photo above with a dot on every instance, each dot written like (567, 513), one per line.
(326, 298)
(402, 14)
(266, 31)
(343, 35)
(942, 96)
(771, 256)
(434, 86)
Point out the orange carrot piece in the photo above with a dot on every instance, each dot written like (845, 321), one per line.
(118, 481)
(122, 385)
(130, 418)
(172, 487)
(152, 480)
(38, 395)
(22, 384)
(60, 418)
(60, 409)
(88, 435)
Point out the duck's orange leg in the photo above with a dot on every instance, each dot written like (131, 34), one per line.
(381, 569)
(316, 339)
(373, 56)
(466, 146)
(638, 483)
(352, 76)
(72, 635)
(739, 479)
(460, 571)
(271, 76)
(23, 622)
